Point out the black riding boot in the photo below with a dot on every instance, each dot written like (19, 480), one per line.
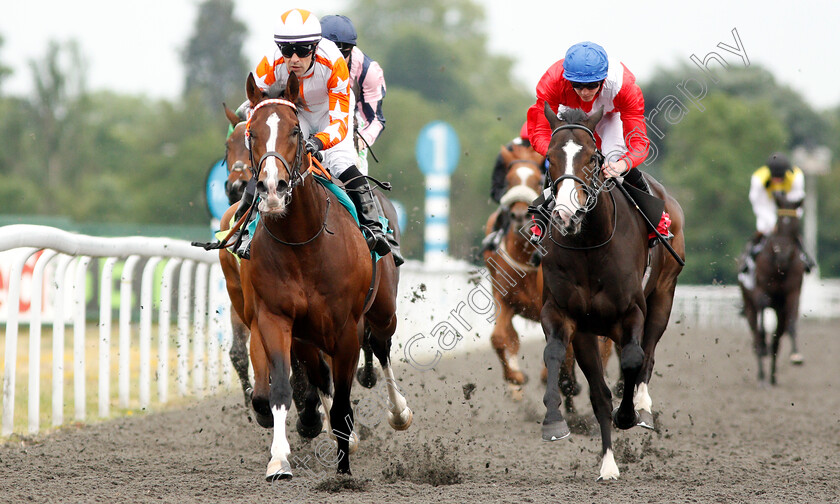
(492, 241)
(805, 256)
(368, 209)
(242, 246)
(637, 180)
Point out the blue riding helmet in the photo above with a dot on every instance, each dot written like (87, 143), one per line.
(339, 29)
(585, 62)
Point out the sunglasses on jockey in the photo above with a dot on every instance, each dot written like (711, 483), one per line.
(302, 50)
(586, 85)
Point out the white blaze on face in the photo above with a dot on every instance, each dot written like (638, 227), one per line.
(523, 173)
(566, 202)
(272, 171)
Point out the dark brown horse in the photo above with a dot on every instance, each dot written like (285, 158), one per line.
(600, 278)
(517, 285)
(309, 288)
(778, 284)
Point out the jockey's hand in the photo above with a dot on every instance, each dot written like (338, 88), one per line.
(615, 168)
(314, 146)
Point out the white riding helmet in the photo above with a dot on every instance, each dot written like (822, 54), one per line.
(297, 26)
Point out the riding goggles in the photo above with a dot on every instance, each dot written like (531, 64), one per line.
(586, 85)
(302, 50)
(345, 48)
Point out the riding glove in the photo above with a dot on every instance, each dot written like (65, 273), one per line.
(314, 146)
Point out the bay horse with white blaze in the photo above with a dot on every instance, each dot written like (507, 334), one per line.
(778, 285)
(309, 287)
(600, 278)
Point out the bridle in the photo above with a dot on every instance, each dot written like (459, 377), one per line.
(592, 189)
(296, 178)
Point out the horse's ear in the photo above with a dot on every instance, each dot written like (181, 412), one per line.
(252, 91)
(292, 88)
(231, 115)
(506, 154)
(594, 119)
(553, 120)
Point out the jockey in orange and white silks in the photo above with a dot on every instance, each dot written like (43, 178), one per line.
(366, 80)
(325, 85)
(324, 112)
(777, 175)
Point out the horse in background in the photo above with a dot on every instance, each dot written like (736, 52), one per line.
(237, 158)
(777, 286)
(310, 289)
(517, 284)
(601, 278)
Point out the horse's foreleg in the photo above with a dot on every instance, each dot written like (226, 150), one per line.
(304, 392)
(781, 324)
(261, 392)
(589, 360)
(278, 338)
(659, 305)
(505, 341)
(569, 385)
(631, 363)
(558, 332)
(239, 354)
(344, 365)
(760, 343)
(792, 306)
(400, 415)
(366, 375)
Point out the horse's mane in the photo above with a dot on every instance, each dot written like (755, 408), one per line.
(573, 116)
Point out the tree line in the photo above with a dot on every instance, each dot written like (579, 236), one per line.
(111, 157)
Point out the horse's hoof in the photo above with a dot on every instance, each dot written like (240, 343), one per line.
(278, 470)
(515, 392)
(645, 419)
(366, 378)
(623, 423)
(354, 442)
(555, 431)
(609, 469)
(309, 431)
(797, 359)
(402, 421)
(516, 378)
(263, 413)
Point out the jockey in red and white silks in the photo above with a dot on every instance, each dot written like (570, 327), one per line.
(326, 101)
(621, 134)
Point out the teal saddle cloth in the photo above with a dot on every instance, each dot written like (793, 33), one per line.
(342, 197)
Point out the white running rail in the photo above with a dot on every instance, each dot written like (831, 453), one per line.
(62, 267)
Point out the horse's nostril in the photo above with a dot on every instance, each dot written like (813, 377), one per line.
(261, 187)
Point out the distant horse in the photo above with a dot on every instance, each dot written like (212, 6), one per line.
(238, 162)
(600, 278)
(778, 284)
(309, 288)
(517, 285)
(237, 159)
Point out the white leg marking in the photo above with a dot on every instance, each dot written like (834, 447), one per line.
(399, 414)
(326, 405)
(641, 399)
(513, 362)
(278, 466)
(609, 469)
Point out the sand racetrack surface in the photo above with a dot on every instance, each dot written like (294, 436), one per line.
(719, 438)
